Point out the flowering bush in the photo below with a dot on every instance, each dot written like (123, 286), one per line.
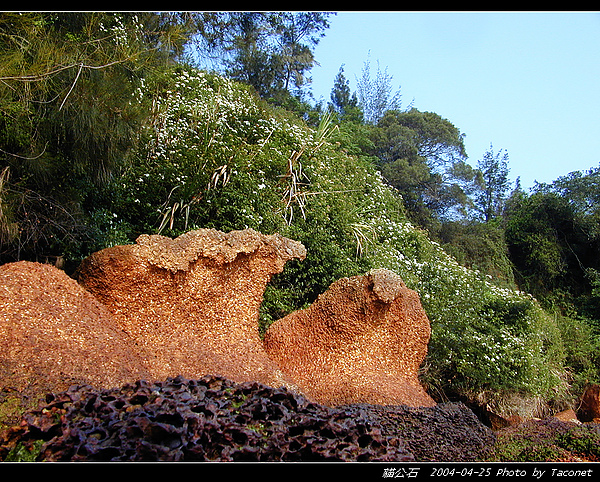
(214, 155)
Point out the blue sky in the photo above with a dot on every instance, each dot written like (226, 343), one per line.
(526, 82)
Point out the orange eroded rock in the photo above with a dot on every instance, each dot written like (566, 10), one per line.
(54, 334)
(189, 306)
(589, 409)
(192, 303)
(362, 341)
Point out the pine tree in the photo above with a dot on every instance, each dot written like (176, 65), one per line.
(343, 102)
(495, 183)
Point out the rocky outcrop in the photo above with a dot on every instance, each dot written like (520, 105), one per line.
(589, 409)
(447, 432)
(189, 307)
(53, 333)
(363, 340)
(548, 440)
(218, 420)
(192, 303)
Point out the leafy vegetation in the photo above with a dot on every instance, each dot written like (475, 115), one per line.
(549, 441)
(135, 139)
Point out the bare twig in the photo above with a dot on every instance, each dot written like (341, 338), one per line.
(23, 157)
(72, 86)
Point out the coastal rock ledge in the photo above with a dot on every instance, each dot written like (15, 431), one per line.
(189, 307)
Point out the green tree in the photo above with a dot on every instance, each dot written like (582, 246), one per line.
(343, 102)
(297, 34)
(553, 250)
(252, 60)
(418, 153)
(494, 183)
(480, 246)
(375, 96)
(582, 189)
(418, 136)
(271, 51)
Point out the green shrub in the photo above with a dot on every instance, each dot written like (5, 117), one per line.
(25, 452)
(582, 353)
(548, 440)
(581, 441)
(487, 341)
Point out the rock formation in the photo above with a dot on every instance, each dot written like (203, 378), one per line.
(189, 307)
(53, 333)
(447, 432)
(589, 409)
(363, 340)
(216, 420)
(192, 303)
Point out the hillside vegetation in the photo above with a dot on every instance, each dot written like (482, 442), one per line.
(96, 154)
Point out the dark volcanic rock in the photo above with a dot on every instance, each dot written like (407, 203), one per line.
(210, 419)
(448, 432)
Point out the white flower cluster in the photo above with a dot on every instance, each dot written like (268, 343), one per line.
(204, 113)
(468, 310)
(120, 33)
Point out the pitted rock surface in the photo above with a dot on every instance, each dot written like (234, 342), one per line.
(362, 341)
(387, 285)
(447, 432)
(53, 333)
(181, 253)
(192, 303)
(209, 419)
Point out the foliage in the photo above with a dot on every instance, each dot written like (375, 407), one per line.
(486, 341)
(375, 96)
(479, 246)
(25, 452)
(554, 250)
(578, 237)
(417, 152)
(416, 135)
(68, 114)
(343, 102)
(547, 441)
(495, 184)
(553, 243)
(271, 51)
(582, 352)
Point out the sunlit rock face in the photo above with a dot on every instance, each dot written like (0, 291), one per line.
(191, 304)
(54, 333)
(589, 406)
(189, 307)
(362, 341)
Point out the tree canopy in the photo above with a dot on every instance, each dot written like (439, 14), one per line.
(271, 51)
